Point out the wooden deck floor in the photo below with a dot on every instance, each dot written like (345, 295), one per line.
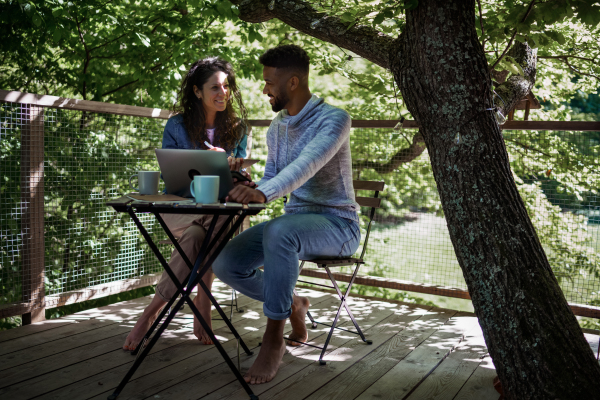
(417, 353)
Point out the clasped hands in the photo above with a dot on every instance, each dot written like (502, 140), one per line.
(245, 192)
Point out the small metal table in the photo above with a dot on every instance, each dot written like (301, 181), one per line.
(234, 211)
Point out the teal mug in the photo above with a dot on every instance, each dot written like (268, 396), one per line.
(147, 182)
(205, 189)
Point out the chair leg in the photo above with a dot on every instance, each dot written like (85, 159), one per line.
(312, 320)
(347, 307)
(344, 297)
(333, 325)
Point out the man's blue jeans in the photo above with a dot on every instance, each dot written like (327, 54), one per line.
(278, 245)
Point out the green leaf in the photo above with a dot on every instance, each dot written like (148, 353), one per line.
(556, 36)
(347, 17)
(56, 35)
(144, 39)
(378, 19)
(37, 20)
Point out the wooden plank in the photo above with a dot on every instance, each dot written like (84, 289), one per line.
(110, 368)
(315, 376)
(121, 311)
(363, 373)
(32, 329)
(32, 220)
(368, 202)
(294, 361)
(64, 376)
(480, 385)
(552, 125)
(368, 185)
(82, 105)
(432, 342)
(29, 363)
(185, 370)
(102, 346)
(121, 109)
(584, 310)
(390, 283)
(398, 284)
(450, 376)
(48, 336)
(101, 290)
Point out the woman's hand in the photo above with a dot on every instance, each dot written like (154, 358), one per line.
(217, 149)
(235, 163)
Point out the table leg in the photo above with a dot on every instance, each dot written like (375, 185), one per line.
(191, 282)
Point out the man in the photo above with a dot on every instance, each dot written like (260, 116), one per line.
(309, 158)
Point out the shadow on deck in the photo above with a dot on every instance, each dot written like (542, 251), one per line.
(417, 353)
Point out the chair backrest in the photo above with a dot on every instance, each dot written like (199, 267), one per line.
(374, 202)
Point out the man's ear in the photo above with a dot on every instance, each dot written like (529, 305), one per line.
(294, 82)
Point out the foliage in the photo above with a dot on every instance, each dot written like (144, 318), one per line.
(88, 158)
(122, 50)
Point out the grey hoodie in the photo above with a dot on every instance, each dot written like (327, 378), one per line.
(309, 157)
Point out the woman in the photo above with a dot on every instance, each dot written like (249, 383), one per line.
(205, 113)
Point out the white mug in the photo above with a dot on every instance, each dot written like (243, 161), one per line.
(148, 181)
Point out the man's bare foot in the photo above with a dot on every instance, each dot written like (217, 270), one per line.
(299, 331)
(271, 352)
(203, 304)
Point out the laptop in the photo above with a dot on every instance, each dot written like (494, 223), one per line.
(179, 166)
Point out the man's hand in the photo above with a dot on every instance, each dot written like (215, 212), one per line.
(235, 163)
(249, 183)
(243, 194)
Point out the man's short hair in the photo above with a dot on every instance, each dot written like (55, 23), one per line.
(287, 56)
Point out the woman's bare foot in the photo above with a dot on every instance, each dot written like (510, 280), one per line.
(203, 304)
(143, 324)
(269, 357)
(299, 331)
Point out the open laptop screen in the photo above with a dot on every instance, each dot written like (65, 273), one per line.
(179, 166)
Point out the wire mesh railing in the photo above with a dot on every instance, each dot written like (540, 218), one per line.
(88, 157)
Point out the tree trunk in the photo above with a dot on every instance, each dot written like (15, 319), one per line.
(533, 337)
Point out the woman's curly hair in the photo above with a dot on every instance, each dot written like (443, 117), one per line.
(230, 125)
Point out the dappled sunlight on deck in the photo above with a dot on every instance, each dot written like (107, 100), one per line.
(417, 352)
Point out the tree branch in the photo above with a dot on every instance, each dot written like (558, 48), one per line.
(119, 88)
(401, 157)
(109, 42)
(362, 40)
(514, 34)
(569, 56)
(481, 22)
(515, 88)
(87, 55)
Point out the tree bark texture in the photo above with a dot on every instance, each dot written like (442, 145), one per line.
(438, 63)
(533, 337)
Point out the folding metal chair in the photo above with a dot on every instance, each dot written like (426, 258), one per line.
(374, 203)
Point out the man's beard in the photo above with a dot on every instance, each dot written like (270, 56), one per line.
(279, 102)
